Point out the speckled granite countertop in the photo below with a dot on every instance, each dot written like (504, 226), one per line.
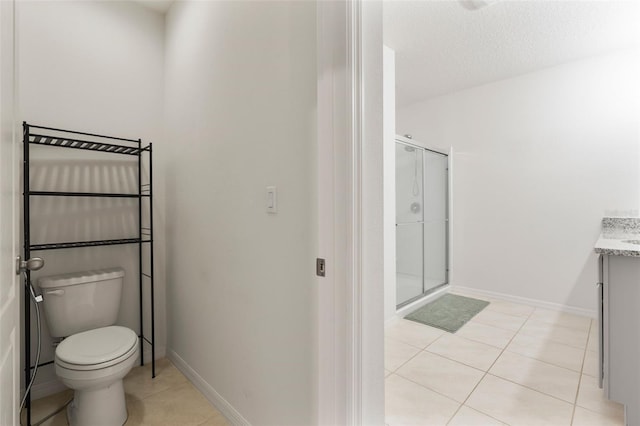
(620, 237)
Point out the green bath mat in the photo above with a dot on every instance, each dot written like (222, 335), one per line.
(449, 312)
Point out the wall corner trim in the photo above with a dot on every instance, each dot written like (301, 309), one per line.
(207, 390)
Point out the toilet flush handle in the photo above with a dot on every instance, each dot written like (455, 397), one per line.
(54, 292)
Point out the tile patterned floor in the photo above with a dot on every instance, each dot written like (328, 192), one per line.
(169, 399)
(510, 365)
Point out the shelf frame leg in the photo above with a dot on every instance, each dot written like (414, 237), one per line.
(140, 251)
(27, 255)
(152, 272)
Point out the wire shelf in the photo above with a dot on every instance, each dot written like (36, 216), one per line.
(61, 138)
(66, 142)
(85, 194)
(95, 243)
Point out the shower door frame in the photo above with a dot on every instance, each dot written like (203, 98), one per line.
(417, 145)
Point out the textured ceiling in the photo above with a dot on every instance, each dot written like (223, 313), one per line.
(442, 47)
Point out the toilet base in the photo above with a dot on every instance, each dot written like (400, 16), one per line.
(98, 407)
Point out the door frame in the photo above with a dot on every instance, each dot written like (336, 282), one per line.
(10, 355)
(350, 309)
(350, 362)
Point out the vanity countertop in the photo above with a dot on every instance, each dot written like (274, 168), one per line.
(620, 237)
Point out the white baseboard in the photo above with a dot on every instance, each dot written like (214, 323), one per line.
(405, 310)
(526, 301)
(207, 390)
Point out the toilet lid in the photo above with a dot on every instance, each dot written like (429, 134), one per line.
(99, 346)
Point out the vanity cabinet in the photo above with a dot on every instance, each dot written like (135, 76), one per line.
(619, 314)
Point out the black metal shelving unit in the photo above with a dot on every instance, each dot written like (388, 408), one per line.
(49, 136)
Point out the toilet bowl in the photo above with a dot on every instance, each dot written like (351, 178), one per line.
(93, 364)
(95, 355)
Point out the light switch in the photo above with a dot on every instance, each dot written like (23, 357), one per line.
(272, 199)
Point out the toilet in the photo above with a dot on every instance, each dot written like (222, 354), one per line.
(95, 354)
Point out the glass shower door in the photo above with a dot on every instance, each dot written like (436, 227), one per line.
(409, 223)
(435, 219)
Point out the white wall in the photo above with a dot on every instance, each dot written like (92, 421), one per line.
(240, 111)
(97, 67)
(539, 160)
(389, 171)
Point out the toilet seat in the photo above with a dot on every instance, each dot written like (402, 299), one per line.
(96, 349)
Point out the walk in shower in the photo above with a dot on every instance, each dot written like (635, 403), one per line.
(421, 221)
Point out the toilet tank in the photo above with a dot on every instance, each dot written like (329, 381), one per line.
(81, 301)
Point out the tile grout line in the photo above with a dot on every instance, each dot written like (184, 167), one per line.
(583, 407)
(584, 356)
(546, 362)
(530, 388)
(527, 387)
(549, 322)
(487, 372)
(591, 410)
(409, 344)
(553, 365)
(537, 360)
(557, 341)
(426, 387)
(542, 393)
(444, 357)
(413, 356)
(433, 353)
(580, 374)
(431, 389)
(453, 360)
(502, 350)
(553, 324)
(501, 328)
(468, 340)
